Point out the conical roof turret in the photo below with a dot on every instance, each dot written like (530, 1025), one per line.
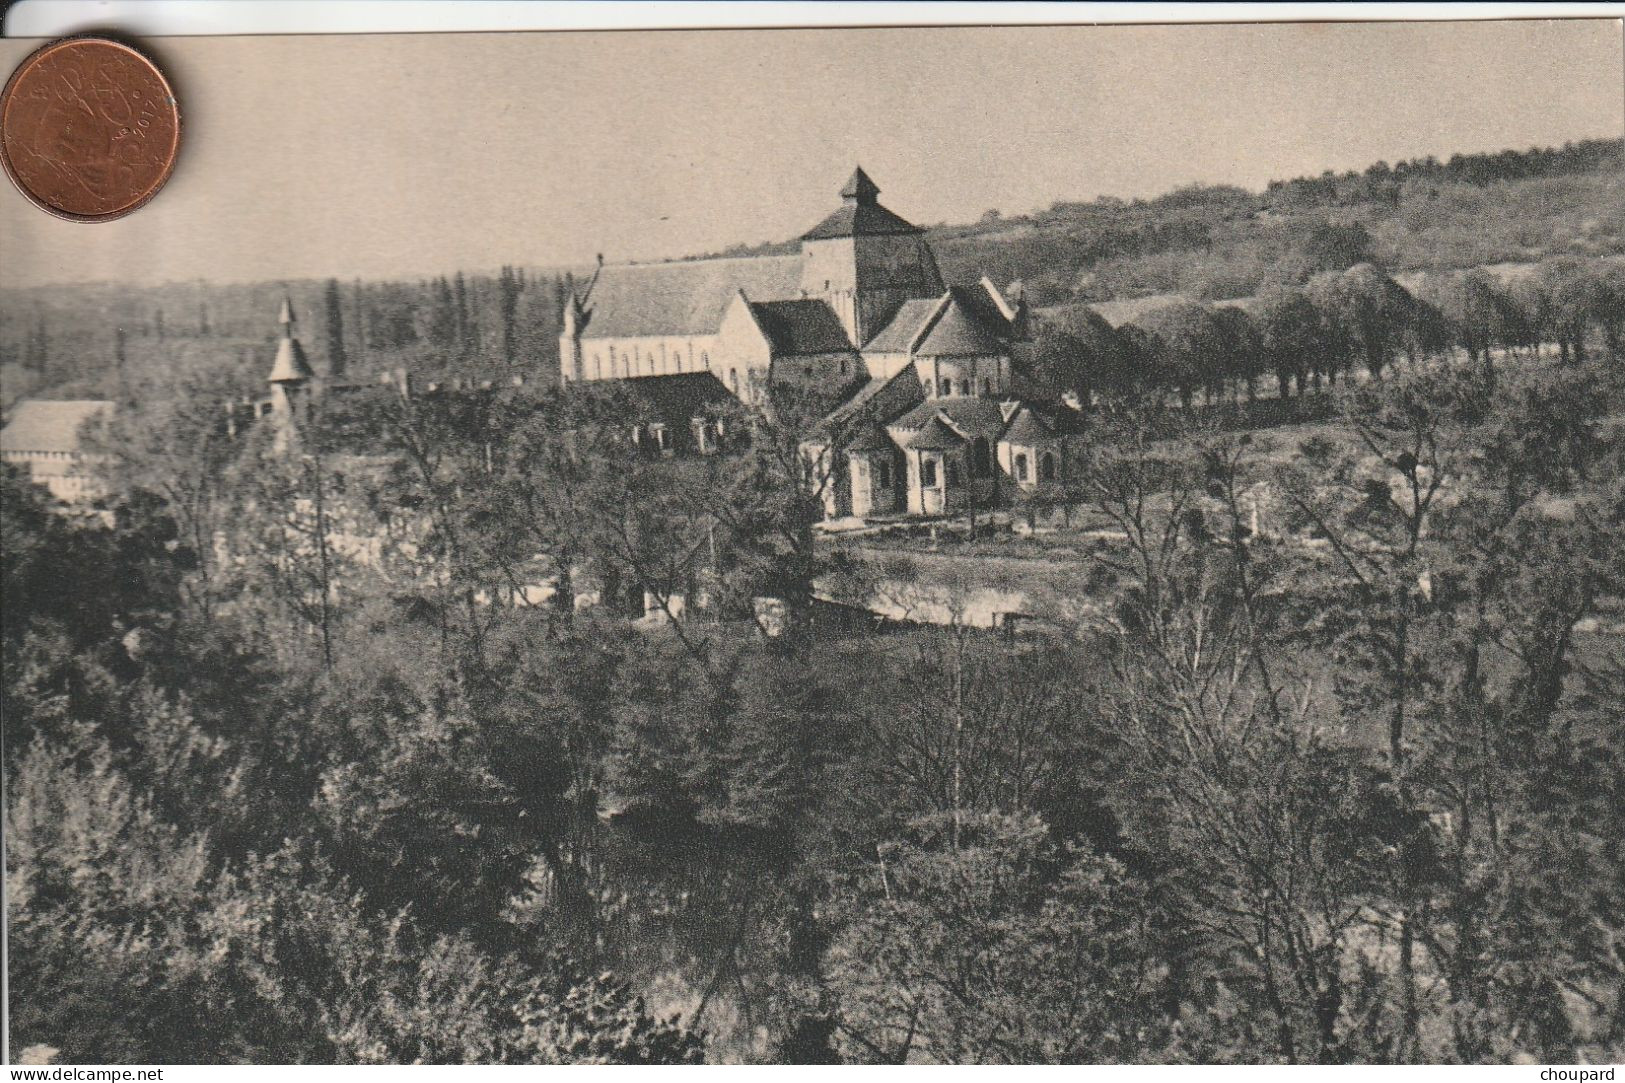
(291, 365)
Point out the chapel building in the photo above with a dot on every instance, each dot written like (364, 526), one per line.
(926, 375)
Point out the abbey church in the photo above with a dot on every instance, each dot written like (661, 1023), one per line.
(925, 374)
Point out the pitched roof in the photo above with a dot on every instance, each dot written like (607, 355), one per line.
(970, 414)
(687, 297)
(679, 397)
(44, 425)
(860, 214)
(860, 220)
(935, 436)
(870, 399)
(1028, 428)
(801, 327)
(897, 335)
(870, 437)
(1034, 423)
(970, 325)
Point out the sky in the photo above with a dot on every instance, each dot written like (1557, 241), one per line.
(407, 155)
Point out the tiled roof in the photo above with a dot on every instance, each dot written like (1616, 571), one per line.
(935, 436)
(970, 414)
(291, 363)
(896, 335)
(1027, 428)
(43, 425)
(860, 219)
(862, 400)
(860, 214)
(1034, 423)
(677, 398)
(801, 327)
(687, 297)
(870, 437)
(971, 325)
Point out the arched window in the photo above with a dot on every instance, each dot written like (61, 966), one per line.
(964, 387)
(928, 473)
(883, 474)
(1021, 467)
(705, 359)
(987, 386)
(1046, 467)
(733, 380)
(947, 386)
(981, 461)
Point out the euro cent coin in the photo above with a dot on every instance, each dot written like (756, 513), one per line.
(89, 129)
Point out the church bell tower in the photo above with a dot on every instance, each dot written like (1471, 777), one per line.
(865, 261)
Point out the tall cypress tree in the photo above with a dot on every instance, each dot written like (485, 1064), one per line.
(464, 336)
(360, 324)
(509, 286)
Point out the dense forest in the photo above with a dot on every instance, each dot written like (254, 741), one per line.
(300, 767)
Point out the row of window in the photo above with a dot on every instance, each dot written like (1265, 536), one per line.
(982, 469)
(629, 360)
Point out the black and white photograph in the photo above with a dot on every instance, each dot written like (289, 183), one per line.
(874, 545)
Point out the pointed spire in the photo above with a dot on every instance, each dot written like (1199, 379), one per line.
(291, 365)
(859, 188)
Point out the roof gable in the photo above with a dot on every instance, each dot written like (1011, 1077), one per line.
(870, 437)
(970, 325)
(898, 335)
(969, 414)
(801, 327)
(936, 435)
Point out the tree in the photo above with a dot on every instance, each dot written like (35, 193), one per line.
(1481, 315)
(1580, 295)
(1371, 309)
(1187, 345)
(1079, 353)
(1243, 358)
(1441, 560)
(1291, 335)
(1001, 950)
(463, 327)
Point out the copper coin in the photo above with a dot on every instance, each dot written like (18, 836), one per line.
(88, 129)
